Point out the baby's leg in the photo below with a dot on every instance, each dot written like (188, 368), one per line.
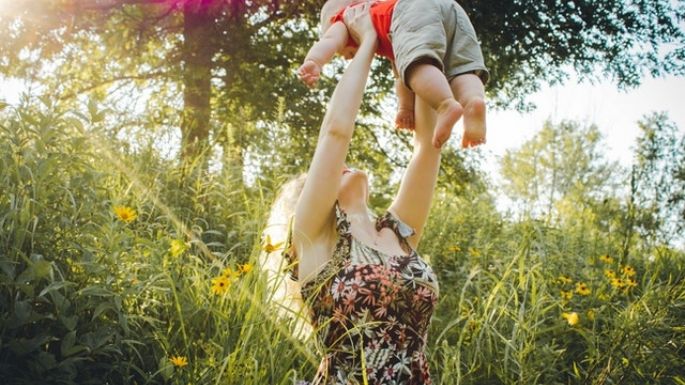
(430, 84)
(469, 91)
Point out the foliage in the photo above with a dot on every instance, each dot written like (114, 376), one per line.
(120, 266)
(562, 163)
(657, 182)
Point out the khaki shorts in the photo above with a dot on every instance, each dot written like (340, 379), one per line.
(438, 32)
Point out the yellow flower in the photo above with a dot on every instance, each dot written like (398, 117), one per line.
(628, 271)
(229, 273)
(179, 361)
(220, 284)
(630, 282)
(564, 279)
(245, 268)
(454, 249)
(177, 247)
(270, 247)
(125, 214)
(617, 283)
(582, 289)
(591, 314)
(474, 252)
(566, 294)
(572, 318)
(606, 259)
(609, 273)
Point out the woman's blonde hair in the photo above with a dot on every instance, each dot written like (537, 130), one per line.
(284, 291)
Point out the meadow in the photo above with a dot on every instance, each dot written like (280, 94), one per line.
(118, 266)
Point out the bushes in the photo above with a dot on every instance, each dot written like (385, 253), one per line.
(107, 258)
(114, 262)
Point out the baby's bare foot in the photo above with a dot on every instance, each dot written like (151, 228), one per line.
(474, 123)
(449, 112)
(405, 118)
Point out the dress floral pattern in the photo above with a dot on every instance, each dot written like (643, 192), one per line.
(371, 310)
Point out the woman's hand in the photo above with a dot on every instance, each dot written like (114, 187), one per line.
(358, 22)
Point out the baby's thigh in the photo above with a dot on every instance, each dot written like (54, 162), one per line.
(418, 34)
(463, 52)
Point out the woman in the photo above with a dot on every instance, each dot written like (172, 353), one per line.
(369, 294)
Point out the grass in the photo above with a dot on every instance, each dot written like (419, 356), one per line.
(91, 296)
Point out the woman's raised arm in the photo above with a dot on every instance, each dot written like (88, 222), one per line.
(314, 209)
(413, 200)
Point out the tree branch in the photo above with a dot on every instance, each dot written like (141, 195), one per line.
(91, 87)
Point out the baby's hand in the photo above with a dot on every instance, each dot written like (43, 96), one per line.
(309, 73)
(405, 119)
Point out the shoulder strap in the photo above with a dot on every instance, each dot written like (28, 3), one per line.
(401, 229)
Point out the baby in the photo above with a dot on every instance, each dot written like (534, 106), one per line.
(434, 53)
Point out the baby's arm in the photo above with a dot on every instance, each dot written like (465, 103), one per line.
(405, 103)
(322, 52)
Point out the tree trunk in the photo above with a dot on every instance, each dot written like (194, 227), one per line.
(198, 50)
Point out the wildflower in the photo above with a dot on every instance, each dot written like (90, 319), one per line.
(454, 249)
(125, 214)
(229, 273)
(179, 361)
(566, 295)
(606, 259)
(245, 268)
(628, 271)
(564, 279)
(177, 247)
(630, 282)
(572, 318)
(616, 282)
(270, 247)
(582, 289)
(609, 273)
(474, 252)
(220, 284)
(591, 314)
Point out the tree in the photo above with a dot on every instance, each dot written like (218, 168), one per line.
(527, 43)
(232, 60)
(208, 49)
(657, 200)
(563, 161)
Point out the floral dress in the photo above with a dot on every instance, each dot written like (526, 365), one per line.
(371, 310)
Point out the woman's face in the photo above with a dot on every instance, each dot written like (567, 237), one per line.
(354, 187)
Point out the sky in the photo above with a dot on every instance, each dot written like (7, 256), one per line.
(615, 113)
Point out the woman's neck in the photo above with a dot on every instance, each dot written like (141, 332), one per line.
(359, 216)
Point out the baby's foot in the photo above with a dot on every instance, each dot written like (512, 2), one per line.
(449, 112)
(474, 123)
(405, 118)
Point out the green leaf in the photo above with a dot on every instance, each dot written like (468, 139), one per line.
(67, 342)
(101, 308)
(96, 291)
(46, 360)
(69, 322)
(165, 368)
(54, 286)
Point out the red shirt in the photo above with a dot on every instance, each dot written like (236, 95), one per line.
(381, 17)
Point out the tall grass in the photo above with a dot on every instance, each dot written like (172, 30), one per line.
(90, 296)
